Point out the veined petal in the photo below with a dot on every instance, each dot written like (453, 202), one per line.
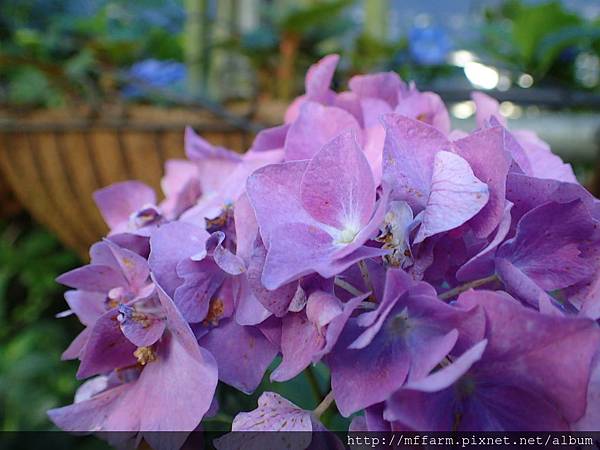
(456, 196)
(337, 187)
(315, 126)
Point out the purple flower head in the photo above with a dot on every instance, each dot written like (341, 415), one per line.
(316, 215)
(153, 73)
(358, 235)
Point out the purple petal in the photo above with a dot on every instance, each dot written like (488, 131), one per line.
(486, 155)
(528, 193)
(92, 277)
(181, 186)
(142, 321)
(170, 244)
(270, 139)
(107, 348)
(319, 77)
(118, 201)
(548, 242)
(76, 347)
(427, 107)
(274, 413)
(274, 192)
(322, 308)
(448, 375)
(456, 196)
(482, 264)
(295, 250)
(246, 228)
(172, 394)
(200, 282)
(385, 86)
(276, 301)
(372, 110)
(242, 354)
(227, 261)
(316, 125)
(486, 107)
(409, 151)
(133, 266)
(338, 188)
(336, 326)
(360, 378)
(87, 306)
(249, 310)
(544, 163)
(198, 148)
(300, 341)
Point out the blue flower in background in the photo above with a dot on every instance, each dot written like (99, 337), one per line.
(153, 73)
(429, 45)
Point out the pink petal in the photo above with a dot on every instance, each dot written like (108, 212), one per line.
(316, 125)
(408, 158)
(274, 192)
(456, 196)
(486, 155)
(118, 201)
(486, 107)
(338, 187)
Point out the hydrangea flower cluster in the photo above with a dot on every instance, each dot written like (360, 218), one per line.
(448, 280)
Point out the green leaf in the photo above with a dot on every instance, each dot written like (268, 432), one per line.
(301, 20)
(532, 23)
(554, 43)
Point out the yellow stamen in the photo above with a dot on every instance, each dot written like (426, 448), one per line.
(145, 355)
(215, 311)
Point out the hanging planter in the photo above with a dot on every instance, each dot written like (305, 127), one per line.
(9, 205)
(54, 162)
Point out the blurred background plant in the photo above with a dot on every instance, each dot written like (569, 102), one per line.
(32, 377)
(53, 52)
(545, 40)
(539, 57)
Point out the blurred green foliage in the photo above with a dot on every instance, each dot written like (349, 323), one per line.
(290, 38)
(542, 39)
(64, 57)
(32, 376)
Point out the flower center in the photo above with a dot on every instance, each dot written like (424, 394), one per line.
(347, 235)
(215, 311)
(399, 324)
(144, 355)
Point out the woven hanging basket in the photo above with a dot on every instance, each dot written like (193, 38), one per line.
(54, 163)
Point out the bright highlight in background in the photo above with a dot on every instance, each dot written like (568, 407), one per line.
(481, 76)
(525, 80)
(461, 58)
(463, 110)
